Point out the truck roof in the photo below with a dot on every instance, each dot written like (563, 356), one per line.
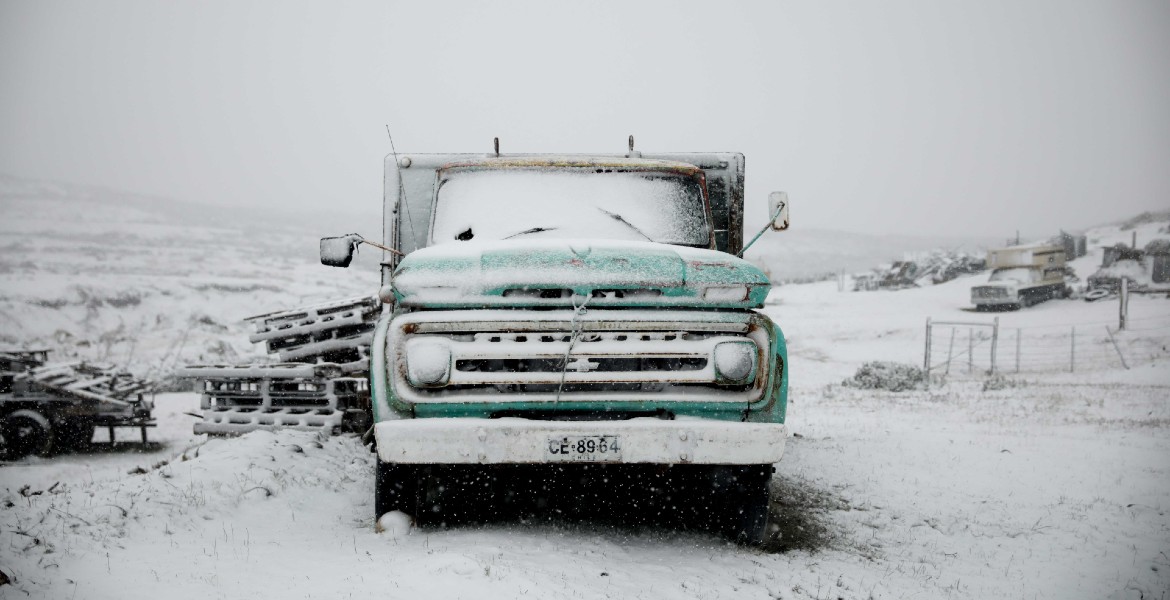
(578, 161)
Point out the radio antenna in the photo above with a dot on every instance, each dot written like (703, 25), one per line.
(401, 190)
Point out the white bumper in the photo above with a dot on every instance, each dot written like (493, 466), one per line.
(523, 441)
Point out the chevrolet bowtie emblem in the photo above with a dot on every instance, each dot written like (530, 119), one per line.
(581, 365)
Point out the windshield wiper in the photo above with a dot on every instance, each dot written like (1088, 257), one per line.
(621, 219)
(527, 231)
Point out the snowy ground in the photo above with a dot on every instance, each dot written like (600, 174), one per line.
(1047, 485)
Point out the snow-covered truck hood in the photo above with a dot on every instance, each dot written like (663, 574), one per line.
(998, 285)
(531, 273)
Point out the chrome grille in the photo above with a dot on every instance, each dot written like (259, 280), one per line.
(610, 356)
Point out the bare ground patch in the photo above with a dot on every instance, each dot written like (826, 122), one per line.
(802, 512)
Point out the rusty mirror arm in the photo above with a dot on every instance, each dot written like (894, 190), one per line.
(339, 251)
(777, 217)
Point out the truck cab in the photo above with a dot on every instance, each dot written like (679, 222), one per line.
(581, 310)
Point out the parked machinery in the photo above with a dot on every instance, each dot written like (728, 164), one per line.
(1146, 269)
(1022, 276)
(55, 407)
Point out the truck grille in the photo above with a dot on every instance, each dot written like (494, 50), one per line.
(612, 355)
(989, 292)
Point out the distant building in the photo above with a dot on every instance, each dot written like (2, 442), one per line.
(1075, 246)
(1158, 258)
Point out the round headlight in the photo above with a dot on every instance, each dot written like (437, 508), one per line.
(428, 363)
(735, 362)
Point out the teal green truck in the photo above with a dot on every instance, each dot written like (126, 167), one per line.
(545, 313)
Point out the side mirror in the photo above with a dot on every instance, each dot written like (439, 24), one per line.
(338, 251)
(777, 217)
(777, 210)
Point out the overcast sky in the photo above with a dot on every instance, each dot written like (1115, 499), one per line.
(926, 116)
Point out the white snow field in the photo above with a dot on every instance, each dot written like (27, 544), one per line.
(1039, 484)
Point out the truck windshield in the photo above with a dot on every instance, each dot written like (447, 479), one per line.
(496, 204)
(1017, 274)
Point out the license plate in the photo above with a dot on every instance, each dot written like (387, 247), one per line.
(585, 448)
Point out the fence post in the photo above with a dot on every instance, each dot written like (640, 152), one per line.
(1017, 349)
(926, 352)
(994, 342)
(1072, 353)
(970, 349)
(1123, 305)
(950, 351)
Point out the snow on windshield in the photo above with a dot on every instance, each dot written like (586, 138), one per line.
(569, 203)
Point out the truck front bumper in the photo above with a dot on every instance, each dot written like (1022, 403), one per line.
(524, 441)
(996, 301)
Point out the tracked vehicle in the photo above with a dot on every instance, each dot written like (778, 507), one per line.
(1022, 276)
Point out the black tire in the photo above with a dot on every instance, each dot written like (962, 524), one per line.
(747, 514)
(72, 435)
(395, 488)
(26, 432)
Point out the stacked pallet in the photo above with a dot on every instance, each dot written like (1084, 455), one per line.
(319, 379)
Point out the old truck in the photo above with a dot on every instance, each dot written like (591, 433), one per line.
(587, 315)
(1022, 276)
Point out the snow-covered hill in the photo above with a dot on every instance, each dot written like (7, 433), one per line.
(148, 283)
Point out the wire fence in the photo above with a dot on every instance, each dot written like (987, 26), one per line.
(959, 349)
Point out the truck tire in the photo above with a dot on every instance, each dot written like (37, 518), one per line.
(72, 435)
(1096, 294)
(747, 510)
(26, 432)
(395, 488)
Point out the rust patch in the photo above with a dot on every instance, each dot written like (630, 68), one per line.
(570, 162)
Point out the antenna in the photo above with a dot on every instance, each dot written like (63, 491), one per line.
(496, 144)
(401, 189)
(633, 153)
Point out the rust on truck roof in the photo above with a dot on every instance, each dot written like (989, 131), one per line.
(577, 162)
